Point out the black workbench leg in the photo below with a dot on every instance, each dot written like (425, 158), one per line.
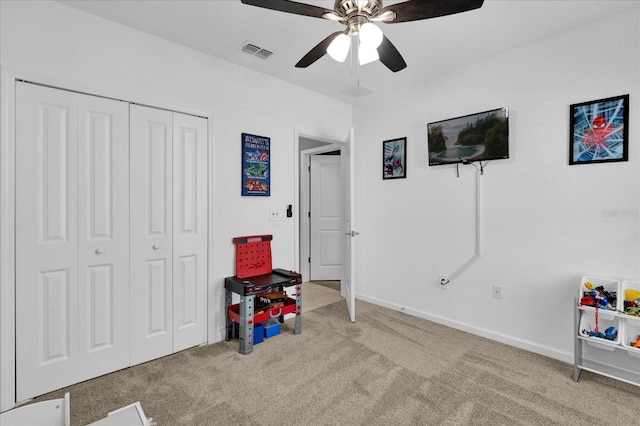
(298, 328)
(245, 334)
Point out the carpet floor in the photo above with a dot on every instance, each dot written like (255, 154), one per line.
(387, 368)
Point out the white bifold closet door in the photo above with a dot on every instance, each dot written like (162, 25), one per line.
(111, 236)
(168, 232)
(72, 238)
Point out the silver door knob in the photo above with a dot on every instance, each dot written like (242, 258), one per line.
(155, 246)
(99, 251)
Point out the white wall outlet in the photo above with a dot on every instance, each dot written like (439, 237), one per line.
(497, 292)
(443, 280)
(276, 214)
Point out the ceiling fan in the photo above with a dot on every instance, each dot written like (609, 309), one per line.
(358, 16)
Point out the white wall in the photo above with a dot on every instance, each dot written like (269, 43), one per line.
(49, 43)
(545, 223)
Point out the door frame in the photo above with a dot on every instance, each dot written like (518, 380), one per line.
(7, 215)
(301, 192)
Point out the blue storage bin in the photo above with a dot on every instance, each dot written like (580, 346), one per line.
(258, 332)
(271, 328)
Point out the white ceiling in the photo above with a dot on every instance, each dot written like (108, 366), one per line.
(220, 27)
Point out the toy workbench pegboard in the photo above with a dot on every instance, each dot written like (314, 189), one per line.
(253, 255)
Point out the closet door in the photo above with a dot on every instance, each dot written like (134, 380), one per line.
(70, 301)
(189, 231)
(151, 220)
(46, 240)
(103, 235)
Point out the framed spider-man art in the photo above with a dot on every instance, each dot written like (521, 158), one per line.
(599, 131)
(394, 159)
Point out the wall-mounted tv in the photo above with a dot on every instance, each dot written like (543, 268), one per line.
(475, 137)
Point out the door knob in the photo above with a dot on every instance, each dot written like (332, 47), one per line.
(99, 251)
(156, 246)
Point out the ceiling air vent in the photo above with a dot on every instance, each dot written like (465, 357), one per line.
(254, 50)
(263, 53)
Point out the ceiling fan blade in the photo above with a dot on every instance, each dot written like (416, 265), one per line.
(390, 56)
(415, 10)
(290, 7)
(317, 52)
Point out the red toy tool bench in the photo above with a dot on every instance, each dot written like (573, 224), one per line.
(254, 277)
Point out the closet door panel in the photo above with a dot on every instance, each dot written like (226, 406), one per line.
(46, 240)
(189, 230)
(103, 231)
(151, 227)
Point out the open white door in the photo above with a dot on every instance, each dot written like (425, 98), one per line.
(347, 284)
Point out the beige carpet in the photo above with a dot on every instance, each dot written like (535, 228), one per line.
(388, 368)
(320, 293)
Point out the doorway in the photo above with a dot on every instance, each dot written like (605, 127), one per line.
(302, 196)
(308, 148)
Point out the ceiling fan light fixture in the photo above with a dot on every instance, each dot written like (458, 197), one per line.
(339, 47)
(370, 35)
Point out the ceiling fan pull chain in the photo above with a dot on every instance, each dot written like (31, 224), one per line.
(351, 58)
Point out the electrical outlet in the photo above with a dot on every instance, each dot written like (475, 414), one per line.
(443, 280)
(497, 292)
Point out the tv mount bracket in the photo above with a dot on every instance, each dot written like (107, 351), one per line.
(481, 169)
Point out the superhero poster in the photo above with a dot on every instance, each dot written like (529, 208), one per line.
(394, 158)
(256, 165)
(599, 131)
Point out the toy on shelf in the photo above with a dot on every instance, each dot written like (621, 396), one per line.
(610, 333)
(266, 301)
(598, 297)
(632, 302)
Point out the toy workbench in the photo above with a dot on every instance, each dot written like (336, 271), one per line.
(255, 278)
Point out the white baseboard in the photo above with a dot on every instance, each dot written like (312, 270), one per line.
(478, 331)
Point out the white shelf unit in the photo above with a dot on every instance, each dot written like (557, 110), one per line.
(617, 358)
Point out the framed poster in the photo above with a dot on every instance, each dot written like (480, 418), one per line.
(256, 161)
(394, 159)
(599, 131)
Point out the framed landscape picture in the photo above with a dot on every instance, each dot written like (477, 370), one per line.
(394, 159)
(599, 131)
